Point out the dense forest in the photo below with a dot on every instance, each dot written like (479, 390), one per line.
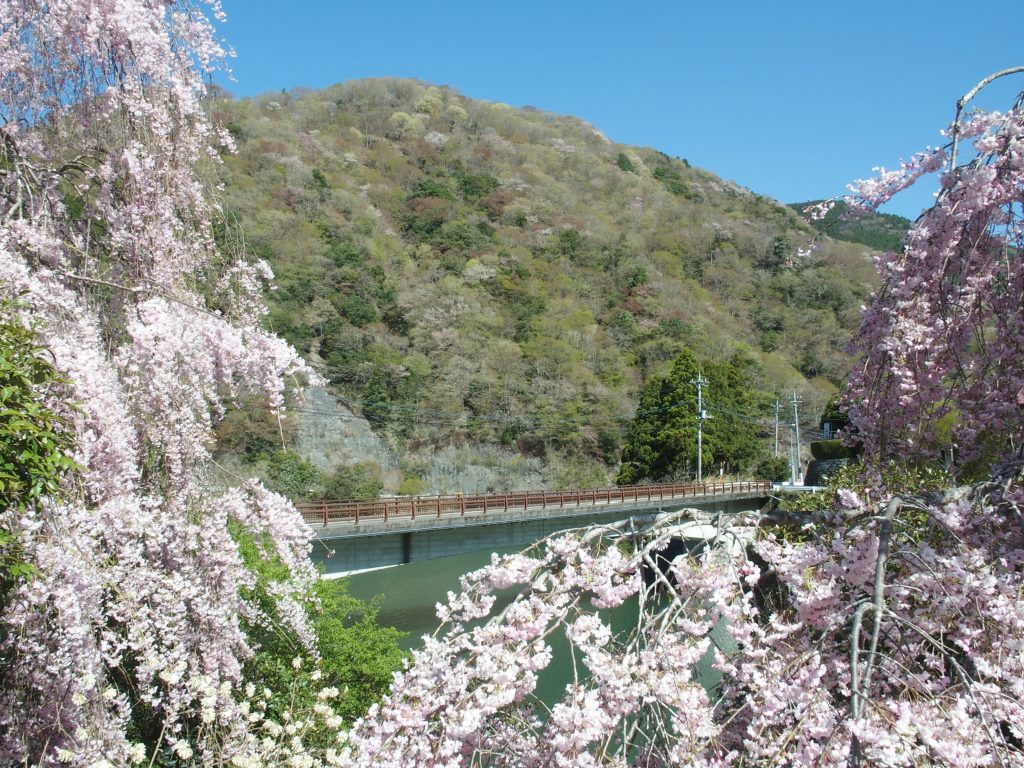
(469, 273)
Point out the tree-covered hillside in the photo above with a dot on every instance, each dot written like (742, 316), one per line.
(467, 272)
(882, 231)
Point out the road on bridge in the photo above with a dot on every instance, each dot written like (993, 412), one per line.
(339, 514)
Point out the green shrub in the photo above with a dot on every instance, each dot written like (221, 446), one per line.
(672, 180)
(353, 482)
(412, 486)
(357, 655)
(477, 185)
(356, 309)
(570, 242)
(431, 188)
(461, 236)
(35, 441)
(513, 431)
(637, 276)
(342, 248)
(291, 475)
(773, 468)
(319, 183)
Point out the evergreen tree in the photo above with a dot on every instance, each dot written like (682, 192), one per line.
(662, 441)
(732, 398)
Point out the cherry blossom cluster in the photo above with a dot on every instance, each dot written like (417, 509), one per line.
(106, 240)
(868, 194)
(941, 343)
(892, 635)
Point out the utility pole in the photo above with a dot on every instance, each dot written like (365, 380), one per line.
(776, 427)
(701, 415)
(796, 441)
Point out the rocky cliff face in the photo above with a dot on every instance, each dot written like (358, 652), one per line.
(480, 469)
(328, 434)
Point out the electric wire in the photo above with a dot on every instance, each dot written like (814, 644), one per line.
(371, 410)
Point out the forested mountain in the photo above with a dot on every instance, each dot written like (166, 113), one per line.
(469, 273)
(883, 231)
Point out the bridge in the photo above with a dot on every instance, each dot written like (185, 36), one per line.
(357, 535)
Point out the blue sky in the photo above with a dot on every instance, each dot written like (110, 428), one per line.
(791, 99)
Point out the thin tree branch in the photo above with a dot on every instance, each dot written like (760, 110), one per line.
(962, 102)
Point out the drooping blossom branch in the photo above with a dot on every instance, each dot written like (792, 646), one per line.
(966, 99)
(857, 637)
(132, 625)
(941, 344)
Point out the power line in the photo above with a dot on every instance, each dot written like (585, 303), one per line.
(359, 406)
(434, 416)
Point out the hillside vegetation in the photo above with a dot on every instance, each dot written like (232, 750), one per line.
(882, 231)
(469, 273)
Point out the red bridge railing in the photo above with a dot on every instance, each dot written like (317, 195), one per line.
(413, 507)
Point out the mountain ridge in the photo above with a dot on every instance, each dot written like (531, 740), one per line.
(471, 273)
(879, 231)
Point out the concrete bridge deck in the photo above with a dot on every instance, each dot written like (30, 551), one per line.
(396, 515)
(354, 535)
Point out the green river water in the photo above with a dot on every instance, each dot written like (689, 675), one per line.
(409, 594)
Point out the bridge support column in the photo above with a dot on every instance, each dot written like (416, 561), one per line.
(406, 547)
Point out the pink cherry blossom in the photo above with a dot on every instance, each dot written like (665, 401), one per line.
(137, 599)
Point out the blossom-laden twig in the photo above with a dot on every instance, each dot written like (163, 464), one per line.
(934, 676)
(941, 345)
(130, 628)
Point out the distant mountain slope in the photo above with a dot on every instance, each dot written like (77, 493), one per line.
(466, 272)
(880, 231)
